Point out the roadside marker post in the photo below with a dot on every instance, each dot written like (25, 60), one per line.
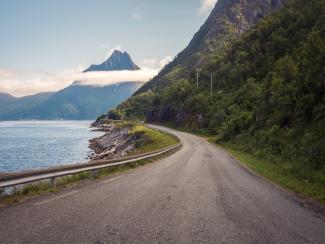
(197, 78)
(211, 84)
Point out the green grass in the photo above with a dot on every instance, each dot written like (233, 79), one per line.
(282, 174)
(150, 139)
(27, 191)
(44, 187)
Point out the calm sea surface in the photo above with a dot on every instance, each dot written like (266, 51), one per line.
(38, 144)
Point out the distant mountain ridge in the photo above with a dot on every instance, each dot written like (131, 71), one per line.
(77, 101)
(6, 97)
(80, 102)
(17, 108)
(117, 61)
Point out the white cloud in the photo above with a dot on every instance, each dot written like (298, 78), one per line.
(206, 6)
(165, 61)
(113, 77)
(155, 63)
(149, 63)
(22, 83)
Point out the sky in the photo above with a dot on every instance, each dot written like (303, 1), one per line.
(45, 44)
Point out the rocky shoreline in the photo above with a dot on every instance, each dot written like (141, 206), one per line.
(117, 142)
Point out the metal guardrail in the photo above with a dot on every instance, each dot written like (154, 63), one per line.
(25, 177)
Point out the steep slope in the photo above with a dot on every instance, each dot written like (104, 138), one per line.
(226, 23)
(117, 61)
(228, 20)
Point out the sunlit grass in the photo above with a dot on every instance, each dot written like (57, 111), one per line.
(151, 139)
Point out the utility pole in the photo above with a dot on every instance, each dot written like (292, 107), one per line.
(211, 84)
(197, 78)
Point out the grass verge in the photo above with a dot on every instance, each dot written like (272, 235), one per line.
(280, 173)
(305, 183)
(151, 139)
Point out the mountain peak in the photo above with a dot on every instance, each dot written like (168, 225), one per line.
(117, 61)
(118, 52)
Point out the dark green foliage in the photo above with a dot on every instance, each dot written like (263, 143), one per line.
(113, 115)
(136, 106)
(268, 96)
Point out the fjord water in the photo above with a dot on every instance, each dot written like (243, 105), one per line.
(39, 144)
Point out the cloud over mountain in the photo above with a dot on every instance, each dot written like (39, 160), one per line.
(21, 83)
(206, 6)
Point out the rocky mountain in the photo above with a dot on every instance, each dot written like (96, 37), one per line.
(226, 23)
(117, 61)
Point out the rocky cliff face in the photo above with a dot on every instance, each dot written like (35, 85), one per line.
(228, 20)
(232, 17)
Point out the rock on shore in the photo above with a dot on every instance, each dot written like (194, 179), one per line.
(115, 143)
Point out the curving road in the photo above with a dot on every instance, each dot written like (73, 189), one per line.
(197, 195)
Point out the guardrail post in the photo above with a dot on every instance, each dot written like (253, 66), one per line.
(2, 191)
(93, 173)
(53, 182)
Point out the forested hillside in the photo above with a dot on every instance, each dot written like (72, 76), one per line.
(267, 97)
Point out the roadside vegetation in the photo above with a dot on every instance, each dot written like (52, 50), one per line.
(288, 174)
(267, 102)
(304, 182)
(150, 139)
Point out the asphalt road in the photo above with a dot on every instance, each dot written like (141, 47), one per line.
(197, 195)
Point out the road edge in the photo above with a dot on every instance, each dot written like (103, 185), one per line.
(301, 200)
